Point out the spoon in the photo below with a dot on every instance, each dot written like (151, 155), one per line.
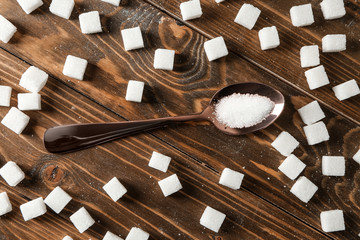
(78, 136)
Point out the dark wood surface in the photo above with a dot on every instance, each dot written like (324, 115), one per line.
(264, 208)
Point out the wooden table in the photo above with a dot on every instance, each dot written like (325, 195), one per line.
(263, 208)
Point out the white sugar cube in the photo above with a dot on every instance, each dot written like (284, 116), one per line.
(29, 101)
(164, 59)
(114, 189)
(111, 236)
(62, 8)
(67, 238)
(334, 43)
(57, 199)
(304, 189)
(132, 38)
(333, 9)
(316, 77)
(190, 9)
(316, 133)
(134, 91)
(332, 221)
(75, 67)
(215, 48)
(5, 205)
(247, 16)
(82, 220)
(309, 56)
(137, 234)
(113, 2)
(12, 173)
(5, 96)
(7, 29)
(285, 143)
(30, 5)
(231, 178)
(170, 185)
(212, 219)
(346, 90)
(333, 166)
(292, 167)
(356, 157)
(219, 1)
(269, 38)
(159, 161)
(90, 22)
(15, 120)
(311, 113)
(33, 209)
(302, 15)
(33, 79)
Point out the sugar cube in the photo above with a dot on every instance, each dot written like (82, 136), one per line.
(75, 67)
(190, 9)
(111, 236)
(269, 38)
(212, 219)
(247, 16)
(302, 15)
(62, 8)
(356, 157)
(5, 96)
(12, 173)
(29, 101)
(57, 199)
(309, 56)
(113, 2)
(33, 209)
(90, 22)
(134, 91)
(30, 5)
(285, 143)
(33, 79)
(137, 234)
(332, 221)
(7, 29)
(67, 238)
(292, 167)
(164, 59)
(333, 9)
(231, 178)
(316, 77)
(132, 38)
(346, 90)
(114, 189)
(304, 189)
(334, 43)
(5, 205)
(159, 161)
(316, 133)
(311, 113)
(15, 120)
(215, 48)
(170, 185)
(219, 1)
(82, 220)
(333, 166)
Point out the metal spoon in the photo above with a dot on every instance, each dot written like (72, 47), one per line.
(78, 136)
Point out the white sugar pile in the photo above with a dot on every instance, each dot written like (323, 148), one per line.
(243, 110)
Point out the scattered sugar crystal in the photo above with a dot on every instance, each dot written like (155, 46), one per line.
(137, 234)
(247, 16)
(334, 43)
(170, 185)
(269, 38)
(12, 173)
(82, 220)
(111, 236)
(62, 8)
(164, 59)
(346, 90)
(212, 219)
(356, 157)
(333, 166)
(285, 143)
(67, 238)
(292, 167)
(33, 79)
(113, 2)
(5, 205)
(15, 120)
(134, 91)
(333, 9)
(332, 221)
(30, 5)
(7, 29)
(57, 199)
(304, 189)
(114, 189)
(5, 96)
(302, 15)
(132, 38)
(33, 209)
(231, 178)
(316, 77)
(29, 101)
(311, 113)
(159, 161)
(215, 48)
(90, 22)
(190, 9)
(316, 133)
(243, 110)
(75, 67)
(309, 56)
